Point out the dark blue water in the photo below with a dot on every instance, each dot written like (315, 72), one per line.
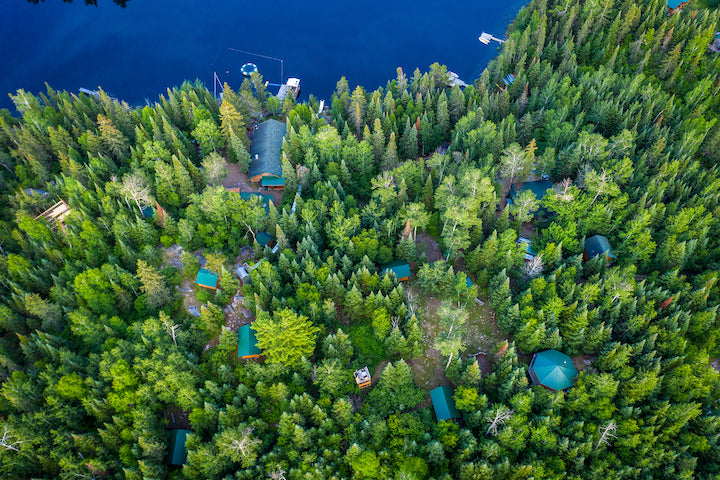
(137, 52)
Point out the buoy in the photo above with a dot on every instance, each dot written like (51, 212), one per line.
(248, 68)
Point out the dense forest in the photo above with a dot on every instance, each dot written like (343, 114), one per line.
(107, 214)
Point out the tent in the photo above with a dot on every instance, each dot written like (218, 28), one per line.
(553, 370)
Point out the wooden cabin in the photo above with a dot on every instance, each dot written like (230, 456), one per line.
(207, 279)
(598, 245)
(266, 150)
(400, 268)
(443, 403)
(247, 343)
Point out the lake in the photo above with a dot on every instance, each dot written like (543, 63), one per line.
(135, 53)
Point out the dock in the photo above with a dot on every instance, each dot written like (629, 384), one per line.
(486, 38)
(454, 79)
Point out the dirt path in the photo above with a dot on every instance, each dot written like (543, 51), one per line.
(238, 179)
(378, 370)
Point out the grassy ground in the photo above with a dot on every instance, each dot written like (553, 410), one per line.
(482, 336)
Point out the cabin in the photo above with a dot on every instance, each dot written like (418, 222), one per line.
(177, 453)
(443, 403)
(56, 214)
(266, 150)
(247, 343)
(272, 183)
(598, 245)
(538, 187)
(528, 253)
(553, 370)
(264, 239)
(207, 279)
(363, 378)
(148, 212)
(400, 268)
(676, 6)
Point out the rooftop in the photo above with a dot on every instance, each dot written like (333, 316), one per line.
(553, 370)
(443, 403)
(266, 149)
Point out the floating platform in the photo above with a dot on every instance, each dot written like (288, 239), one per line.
(486, 38)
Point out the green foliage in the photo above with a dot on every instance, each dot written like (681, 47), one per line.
(286, 337)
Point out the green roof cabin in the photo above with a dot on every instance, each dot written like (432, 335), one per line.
(247, 343)
(538, 187)
(264, 239)
(400, 268)
(207, 279)
(266, 149)
(148, 212)
(598, 245)
(553, 370)
(272, 183)
(443, 403)
(177, 453)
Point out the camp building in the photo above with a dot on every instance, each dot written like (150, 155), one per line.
(177, 453)
(207, 279)
(400, 268)
(598, 245)
(443, 403)
(538, 187)
(553, 370)
(676, 5)
(265, 151)
(247, 343)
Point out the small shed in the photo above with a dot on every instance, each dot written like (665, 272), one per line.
(553, 370)
(400, 268)
(265, 151)
(272, 183)
(243, 275)
(538, 187)
(443, 403)
(207, 279)
(363, 378)
(247, 343)
(177, 453)
(598, 245)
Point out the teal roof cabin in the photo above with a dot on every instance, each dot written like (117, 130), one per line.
(177, 453)
(598, 245)
(538, 187)
(264, 239)
(207, 279)
(553, 370)
(265, 151)
(247, 343)
(400, 268)
(443, 403)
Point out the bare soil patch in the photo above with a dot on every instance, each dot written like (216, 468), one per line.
(238, 179)
(429, 246)
(177, 418)
(527, 230)
(584, 362)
